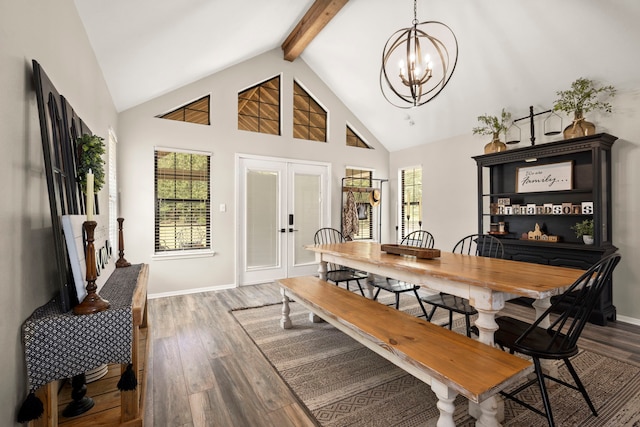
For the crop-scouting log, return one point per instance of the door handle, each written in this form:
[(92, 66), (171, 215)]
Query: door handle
[(291, 230)]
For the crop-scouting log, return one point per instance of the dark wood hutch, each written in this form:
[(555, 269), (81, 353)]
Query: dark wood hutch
[(590, 160)]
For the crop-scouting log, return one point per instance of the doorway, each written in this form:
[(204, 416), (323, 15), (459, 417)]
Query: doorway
[(281, 204)]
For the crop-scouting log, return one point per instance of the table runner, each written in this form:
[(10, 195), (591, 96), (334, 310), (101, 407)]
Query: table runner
[(61, 345)]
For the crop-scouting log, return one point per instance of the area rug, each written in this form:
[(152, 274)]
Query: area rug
[(342, 383)]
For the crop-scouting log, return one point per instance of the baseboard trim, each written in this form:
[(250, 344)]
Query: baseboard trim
[(627, 319), (190, 291)]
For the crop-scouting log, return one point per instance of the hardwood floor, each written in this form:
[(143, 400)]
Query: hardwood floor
[(204, 370)]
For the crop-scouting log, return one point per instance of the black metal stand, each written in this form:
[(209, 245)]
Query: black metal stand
[(80, 403)]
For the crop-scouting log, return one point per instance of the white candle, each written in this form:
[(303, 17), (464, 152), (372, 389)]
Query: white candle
[(89, 192)]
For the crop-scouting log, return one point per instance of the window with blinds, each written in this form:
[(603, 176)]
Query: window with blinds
[(182, 198), (309, 118), (259, 108), (361, 179), (411, 200)]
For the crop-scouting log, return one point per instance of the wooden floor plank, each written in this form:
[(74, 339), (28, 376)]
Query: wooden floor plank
[(246, 390)]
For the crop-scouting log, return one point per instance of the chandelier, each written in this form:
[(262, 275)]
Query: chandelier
[(417, 62)]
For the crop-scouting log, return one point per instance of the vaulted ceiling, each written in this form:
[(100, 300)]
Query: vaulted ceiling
[(513, 53)]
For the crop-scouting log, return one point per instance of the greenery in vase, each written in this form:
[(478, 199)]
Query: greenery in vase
[(583, 97), (492, 125), (584, 228), (90, 150)]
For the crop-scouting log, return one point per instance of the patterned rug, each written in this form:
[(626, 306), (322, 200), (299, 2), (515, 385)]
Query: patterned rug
[(342, 383)]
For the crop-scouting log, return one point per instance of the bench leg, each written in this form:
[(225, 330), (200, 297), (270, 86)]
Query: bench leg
[(489, 412), (445, 405), (285, 320)]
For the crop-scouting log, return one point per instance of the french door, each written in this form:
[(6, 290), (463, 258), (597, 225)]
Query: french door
[(281, 205)]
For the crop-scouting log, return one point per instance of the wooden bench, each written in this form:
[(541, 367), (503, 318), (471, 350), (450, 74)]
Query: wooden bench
[(449, 362)]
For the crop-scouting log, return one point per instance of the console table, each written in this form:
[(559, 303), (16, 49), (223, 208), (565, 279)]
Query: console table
[(126, 290)]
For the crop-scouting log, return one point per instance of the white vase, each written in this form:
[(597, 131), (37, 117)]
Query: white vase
[(588, 240)]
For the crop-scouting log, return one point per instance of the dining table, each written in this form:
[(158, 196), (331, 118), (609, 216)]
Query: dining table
[(486, 282)]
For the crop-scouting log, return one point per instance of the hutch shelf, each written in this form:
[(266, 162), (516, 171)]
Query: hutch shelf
[(510, 208)]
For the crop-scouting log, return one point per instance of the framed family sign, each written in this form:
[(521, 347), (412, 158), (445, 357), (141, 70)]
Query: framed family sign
[(549, 177)]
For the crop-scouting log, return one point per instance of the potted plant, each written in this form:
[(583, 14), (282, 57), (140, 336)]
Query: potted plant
[(90, 149), (493, 125), (584, 229), (584, 96)]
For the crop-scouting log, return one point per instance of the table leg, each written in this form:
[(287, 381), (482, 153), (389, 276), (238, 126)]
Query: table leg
[(368, 285), (445, 405), (322, 270), (487, 326), (541, 305), (285, 321), (491, 411)]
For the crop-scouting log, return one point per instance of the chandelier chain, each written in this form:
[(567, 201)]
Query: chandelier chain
[(415, 12)]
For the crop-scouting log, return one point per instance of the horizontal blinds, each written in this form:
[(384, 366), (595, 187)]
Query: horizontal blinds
[(362, 178), (182, 201)]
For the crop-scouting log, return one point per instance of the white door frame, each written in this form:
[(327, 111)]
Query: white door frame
[(326, 216)]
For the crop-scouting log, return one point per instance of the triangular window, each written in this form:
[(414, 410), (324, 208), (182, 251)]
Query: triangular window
[(309, 118), (194, 112), (259, 108), (353, 140)]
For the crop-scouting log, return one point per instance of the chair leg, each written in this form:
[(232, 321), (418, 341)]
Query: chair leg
[(375, 297), (431, 313), (360, 287), (397, 300), (421, 305), (467, 321), (450, 319), (543, 391), (574, 374)]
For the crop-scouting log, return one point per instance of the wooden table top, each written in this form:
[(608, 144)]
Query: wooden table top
[(513, 277)]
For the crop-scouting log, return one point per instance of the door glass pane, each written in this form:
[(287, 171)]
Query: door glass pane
[(262, 198), (307, 211)]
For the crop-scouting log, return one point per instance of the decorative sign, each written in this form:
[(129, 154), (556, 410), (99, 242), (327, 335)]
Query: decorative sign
[(551, 177), (76, 244)]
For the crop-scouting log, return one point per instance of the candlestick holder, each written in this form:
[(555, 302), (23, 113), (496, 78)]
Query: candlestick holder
[(92, 303), (122, 262)]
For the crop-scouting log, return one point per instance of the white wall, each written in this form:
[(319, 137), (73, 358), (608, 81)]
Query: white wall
[(51, 33), (140, 131), (450, 193)]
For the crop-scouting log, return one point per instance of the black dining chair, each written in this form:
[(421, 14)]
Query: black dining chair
[(474, 244), (418, 238), (559, 340), (338, 273)]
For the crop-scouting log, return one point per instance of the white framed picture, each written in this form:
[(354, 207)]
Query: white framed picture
[(550, 177)]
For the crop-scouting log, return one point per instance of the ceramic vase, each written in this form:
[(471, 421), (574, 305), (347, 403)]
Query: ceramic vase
[(588, 240)]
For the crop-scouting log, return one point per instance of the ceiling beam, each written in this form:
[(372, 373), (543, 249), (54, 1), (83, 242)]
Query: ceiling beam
[(316, 18)]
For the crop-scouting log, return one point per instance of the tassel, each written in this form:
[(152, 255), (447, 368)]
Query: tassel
[(128, 379), (31, 409)]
